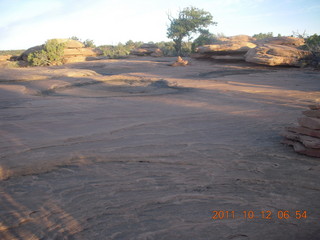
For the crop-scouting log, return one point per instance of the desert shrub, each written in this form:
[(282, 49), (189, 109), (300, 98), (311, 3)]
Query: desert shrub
[(89, 43), (51, 54), (75, 38), (167, 48), (313, 44), (263, 35), (117, 51)]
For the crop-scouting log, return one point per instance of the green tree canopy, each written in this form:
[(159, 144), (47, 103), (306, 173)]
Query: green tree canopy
[(190, 20)]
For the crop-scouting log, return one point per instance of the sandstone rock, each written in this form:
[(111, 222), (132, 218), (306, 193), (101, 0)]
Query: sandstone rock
[(69, 43), (74, 51), (312, 113), (314, 107), (300, 148), (147, 49), (305, 131), (180, 62), (85, 52), (286, 41), (25, 54), (274, 55), (5, 57), (227, 47), (307, 141), (231, 48), (242, 38), (308, 122)]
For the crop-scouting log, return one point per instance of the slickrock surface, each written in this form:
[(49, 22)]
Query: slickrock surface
[(136, 149)]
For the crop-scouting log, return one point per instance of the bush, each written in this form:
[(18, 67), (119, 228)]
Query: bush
[(313, 44), (51, 54), (260, 36), (89, 43)]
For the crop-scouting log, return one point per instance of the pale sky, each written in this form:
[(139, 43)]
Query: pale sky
[(26, 23)]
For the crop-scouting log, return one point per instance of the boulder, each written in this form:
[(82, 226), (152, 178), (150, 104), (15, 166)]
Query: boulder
[(277, 55), (179, 63), (147, 49)]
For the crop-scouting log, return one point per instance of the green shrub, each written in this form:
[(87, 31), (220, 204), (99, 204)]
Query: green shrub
[(89, 43), (51, 54), (263, 35), (313, 44)]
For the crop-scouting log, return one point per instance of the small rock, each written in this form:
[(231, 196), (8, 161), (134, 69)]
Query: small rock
[(180, 62)]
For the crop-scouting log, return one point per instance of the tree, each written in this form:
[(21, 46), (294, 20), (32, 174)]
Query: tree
[(190, 21)]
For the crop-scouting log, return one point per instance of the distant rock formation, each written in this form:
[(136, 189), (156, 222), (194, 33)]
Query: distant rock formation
[(275, 51), (147, 49), (278, 51), (74, 51), (305, 138), (231, 48), (179, 63)]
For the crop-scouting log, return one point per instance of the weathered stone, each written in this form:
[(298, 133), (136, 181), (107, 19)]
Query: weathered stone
[(304, 131), (85, 52), (314, 107), (307, 141), (312, 113), (25, 54), (300, 148), (308, 122), (286, 41), (226, 47), (180, 62), (274, 55)]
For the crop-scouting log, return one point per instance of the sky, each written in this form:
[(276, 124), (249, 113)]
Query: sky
[(27, 23)]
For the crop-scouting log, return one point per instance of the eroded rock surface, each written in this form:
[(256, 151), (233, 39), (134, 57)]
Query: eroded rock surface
[(136, 149)]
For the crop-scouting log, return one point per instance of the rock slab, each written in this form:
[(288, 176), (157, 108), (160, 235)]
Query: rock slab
[(305, 139)]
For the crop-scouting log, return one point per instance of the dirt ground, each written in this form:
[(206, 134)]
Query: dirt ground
[(136, 149)]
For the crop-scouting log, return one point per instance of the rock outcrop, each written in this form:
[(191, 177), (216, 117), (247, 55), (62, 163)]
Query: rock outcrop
[(179, 63), (286, 41), (231, 48), (74, 51), (277, 55), (274, 51), (147, 50), (305, 138)]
